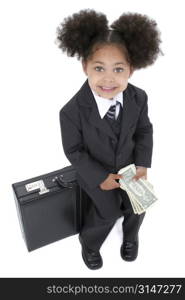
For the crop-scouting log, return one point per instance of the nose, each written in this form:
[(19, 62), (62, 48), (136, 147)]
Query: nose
[(108, 77)]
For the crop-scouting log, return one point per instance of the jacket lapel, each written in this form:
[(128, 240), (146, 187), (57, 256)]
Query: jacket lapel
[(102, 124), (87, 99), (129, 115)]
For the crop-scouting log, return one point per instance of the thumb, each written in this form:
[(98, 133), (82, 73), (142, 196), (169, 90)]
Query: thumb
[(135, 177), (117, 184)]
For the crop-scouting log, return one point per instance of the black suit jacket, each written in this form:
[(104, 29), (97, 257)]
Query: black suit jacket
[(89, 142)]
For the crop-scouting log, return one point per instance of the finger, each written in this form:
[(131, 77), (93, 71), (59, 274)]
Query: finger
[(118, 176)]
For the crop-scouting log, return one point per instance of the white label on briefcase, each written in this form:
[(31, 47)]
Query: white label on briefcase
[(37, 185)]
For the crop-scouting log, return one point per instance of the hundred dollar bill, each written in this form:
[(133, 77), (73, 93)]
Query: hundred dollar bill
[(140, 192)]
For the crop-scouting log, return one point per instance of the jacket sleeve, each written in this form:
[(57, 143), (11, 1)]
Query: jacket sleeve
[(143, 138), (91, 171)]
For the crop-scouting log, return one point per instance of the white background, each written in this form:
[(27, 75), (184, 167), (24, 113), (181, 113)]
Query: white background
[(36, 81)]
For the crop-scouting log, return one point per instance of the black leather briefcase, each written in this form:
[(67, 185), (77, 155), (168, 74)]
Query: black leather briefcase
[(49, 207)]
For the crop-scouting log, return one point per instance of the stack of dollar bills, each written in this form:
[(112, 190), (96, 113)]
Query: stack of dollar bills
[(140, 192)]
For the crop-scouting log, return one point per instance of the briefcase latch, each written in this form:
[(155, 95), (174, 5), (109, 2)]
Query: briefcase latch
[(37, 185)]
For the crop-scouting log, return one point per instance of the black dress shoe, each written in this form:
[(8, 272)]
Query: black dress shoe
[(92, 259), (129, 250)]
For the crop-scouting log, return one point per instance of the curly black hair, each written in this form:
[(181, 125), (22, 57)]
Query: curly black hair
[(137, 34)]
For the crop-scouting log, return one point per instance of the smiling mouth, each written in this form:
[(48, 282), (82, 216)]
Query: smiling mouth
[(107, 89)]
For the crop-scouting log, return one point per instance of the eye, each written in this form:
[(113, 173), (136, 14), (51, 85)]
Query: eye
[(119, 70), (99, 69)]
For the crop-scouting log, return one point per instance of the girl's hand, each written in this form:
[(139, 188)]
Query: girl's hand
[(110, 182), (141, 172)]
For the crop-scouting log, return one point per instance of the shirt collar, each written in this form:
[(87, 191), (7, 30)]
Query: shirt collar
[(104, 104)]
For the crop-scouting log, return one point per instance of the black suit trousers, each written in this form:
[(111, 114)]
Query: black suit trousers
[(96, 226)]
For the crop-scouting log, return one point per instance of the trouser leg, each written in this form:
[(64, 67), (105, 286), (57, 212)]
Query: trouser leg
[(131, 222), (95, 229), (131, 225), (100, 215)]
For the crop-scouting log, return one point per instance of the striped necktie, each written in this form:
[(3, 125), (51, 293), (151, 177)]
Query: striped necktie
[(112, 111)]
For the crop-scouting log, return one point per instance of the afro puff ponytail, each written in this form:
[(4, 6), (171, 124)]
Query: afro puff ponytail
[(141, 38), (77, 33), (138, 34)]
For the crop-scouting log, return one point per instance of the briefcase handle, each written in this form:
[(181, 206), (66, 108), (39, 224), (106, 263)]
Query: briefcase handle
[(63, 183)]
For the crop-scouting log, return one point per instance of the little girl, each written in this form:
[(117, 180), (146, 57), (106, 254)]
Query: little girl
[(105, 126)]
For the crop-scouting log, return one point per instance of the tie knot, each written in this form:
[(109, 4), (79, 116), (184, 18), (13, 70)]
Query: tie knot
[(112, 110), (113, 106)]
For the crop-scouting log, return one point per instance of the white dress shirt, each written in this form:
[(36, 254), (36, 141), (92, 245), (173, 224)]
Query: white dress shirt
[(104, 104)]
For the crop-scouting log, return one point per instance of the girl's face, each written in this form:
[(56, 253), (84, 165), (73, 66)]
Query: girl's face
[(108, 71)]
